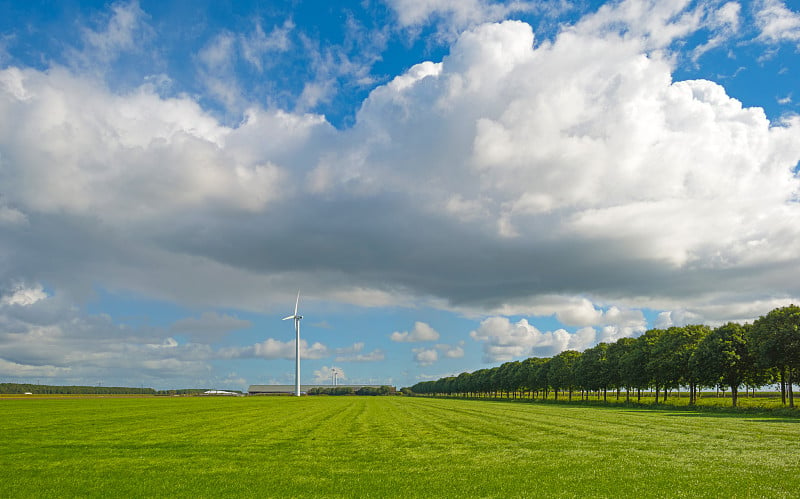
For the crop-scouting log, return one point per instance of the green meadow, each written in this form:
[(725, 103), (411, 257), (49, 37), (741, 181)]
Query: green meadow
[(387, 447)]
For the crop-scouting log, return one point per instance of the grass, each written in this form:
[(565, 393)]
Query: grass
[(386, 447), (768, 403)]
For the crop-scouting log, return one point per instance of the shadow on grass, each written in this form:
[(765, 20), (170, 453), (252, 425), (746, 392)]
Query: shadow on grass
[(746, 417), (775, 420)]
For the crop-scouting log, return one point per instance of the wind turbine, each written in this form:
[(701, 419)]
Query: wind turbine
[(296, 345)]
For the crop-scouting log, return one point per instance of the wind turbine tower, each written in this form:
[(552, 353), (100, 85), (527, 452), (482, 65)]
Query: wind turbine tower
[(296, 318)]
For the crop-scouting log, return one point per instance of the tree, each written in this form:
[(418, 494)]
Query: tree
[(683, 344), (776, 338), (448, 385), (656, 351), (633, 372), (561, 374), (530, 372), (464, 383), (542, 379), (616, 352), (493, 380), (723, 356), (670, 353), (481, 380), (591, 369), (508, 379), (367, 390)]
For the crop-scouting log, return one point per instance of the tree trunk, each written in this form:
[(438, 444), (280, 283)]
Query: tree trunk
[(789, 386), (570, 394), (734, 394), (605, 395), (555, 392), (666, 392), (658, 394), (783, 387), (638, 395)]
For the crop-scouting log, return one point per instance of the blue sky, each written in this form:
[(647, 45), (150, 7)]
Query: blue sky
[(450, 183)]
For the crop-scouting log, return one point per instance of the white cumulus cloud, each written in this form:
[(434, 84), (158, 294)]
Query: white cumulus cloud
[(504, 341), (425, 356), (451, 351), (421, 332), (276, 349)]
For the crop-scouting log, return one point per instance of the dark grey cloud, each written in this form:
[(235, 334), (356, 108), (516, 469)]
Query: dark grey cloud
[(209, 327)]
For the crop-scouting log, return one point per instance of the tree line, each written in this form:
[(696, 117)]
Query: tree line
[(21, 388), (766, 352), (348, 390)]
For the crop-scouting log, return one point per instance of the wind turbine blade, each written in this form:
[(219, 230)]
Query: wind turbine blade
[(296, 303), (287, 318)]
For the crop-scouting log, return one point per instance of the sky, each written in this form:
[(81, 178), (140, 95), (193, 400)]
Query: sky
[(451, 184)]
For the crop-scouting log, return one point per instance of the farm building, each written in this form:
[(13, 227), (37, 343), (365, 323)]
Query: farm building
[(304, 389), (223, 393)]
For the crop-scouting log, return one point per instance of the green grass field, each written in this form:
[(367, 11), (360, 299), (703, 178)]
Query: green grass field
[(386, 447)]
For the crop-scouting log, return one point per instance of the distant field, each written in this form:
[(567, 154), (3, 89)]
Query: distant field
[(386, 447)]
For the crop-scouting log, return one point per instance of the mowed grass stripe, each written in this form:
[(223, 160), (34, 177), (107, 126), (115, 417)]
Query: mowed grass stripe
[(674, 431), (704, 454), (385, 447)]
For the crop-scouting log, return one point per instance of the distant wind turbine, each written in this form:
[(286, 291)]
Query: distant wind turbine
[(296, 345)]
